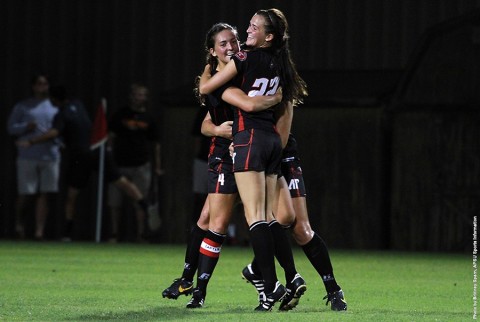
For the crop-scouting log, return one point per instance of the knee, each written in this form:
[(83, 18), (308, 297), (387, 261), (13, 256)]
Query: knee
[(219, 225), (302, 233), (285, 218)]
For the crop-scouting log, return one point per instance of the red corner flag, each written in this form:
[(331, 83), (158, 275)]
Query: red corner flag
[(99, 131)]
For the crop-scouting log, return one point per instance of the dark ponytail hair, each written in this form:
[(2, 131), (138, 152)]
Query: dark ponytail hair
[(294, 87)]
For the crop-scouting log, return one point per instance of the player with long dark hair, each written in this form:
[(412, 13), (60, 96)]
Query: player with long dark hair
[(291, 211), (208, 236), (260, 71)]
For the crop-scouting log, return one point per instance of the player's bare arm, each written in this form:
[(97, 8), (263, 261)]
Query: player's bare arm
[(210, 129), (238, 98), (209, 84), (284, 117)]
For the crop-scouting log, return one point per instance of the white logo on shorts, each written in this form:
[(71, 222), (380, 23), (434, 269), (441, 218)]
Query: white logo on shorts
[(293, 185)]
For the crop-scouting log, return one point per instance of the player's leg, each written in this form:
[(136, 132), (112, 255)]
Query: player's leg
[(285, 214), (251, 186), (256, 159), (283, 218), (184, 284), (221, 206), (317, 253), (254, 187)]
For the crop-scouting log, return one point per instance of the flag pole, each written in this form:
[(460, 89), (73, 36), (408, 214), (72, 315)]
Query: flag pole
[(101, 167)]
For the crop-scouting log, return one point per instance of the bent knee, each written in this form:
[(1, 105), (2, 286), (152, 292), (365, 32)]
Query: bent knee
[(302, 233)]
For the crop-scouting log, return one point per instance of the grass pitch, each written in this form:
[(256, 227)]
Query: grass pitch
[(124, 282)]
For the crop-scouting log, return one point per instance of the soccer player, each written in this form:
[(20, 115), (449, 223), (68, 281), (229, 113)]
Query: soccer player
[(208, 236), (291, 211), (260, 71)]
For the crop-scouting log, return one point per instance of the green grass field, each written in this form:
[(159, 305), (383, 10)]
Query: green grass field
[(124, 282)]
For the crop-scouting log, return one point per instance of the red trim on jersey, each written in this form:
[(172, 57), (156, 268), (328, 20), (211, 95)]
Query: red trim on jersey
[(241, 121), (212, 146), (210, 248), (241, 55), (249, 149)]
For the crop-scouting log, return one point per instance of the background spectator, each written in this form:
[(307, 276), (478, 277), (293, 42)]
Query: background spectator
[(38, 166)]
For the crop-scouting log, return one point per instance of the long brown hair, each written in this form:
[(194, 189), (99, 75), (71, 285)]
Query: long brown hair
[(293, 86)]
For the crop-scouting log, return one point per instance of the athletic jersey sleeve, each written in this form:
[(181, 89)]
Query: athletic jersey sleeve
[(240, 60)]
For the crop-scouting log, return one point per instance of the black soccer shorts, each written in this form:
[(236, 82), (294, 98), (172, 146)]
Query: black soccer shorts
[(292, 172), (257, 150), (220, 176)]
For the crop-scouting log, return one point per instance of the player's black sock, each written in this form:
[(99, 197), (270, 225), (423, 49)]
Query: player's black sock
[(191, 255), (209, 254), (283, 250), (317, 253), (263, 249), (255, 268)]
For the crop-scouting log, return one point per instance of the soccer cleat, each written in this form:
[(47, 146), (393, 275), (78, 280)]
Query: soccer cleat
[(337, 300), (252, 278), (267, 301), (197, 299), (180, 286), (295, 290)]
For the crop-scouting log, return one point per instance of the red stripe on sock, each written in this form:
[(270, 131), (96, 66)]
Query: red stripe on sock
[(210, 248)]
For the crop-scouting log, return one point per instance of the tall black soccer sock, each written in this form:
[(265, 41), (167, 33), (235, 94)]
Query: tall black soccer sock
[(283, 250), (209, 254), (255, 268), (264, 249), (192, 253), (317, 252)]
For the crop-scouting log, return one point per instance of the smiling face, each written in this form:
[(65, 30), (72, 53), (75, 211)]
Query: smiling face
[(256, 34), (226, 45)]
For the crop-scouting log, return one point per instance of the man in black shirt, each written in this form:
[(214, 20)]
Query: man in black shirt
[(135, 138)]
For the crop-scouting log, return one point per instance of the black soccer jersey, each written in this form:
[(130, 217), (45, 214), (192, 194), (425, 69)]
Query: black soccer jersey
[(257, 75), (220, 172), (220, 112)]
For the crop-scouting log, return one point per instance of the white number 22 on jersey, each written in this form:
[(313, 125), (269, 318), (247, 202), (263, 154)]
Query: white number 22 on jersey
[(264, 86)]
